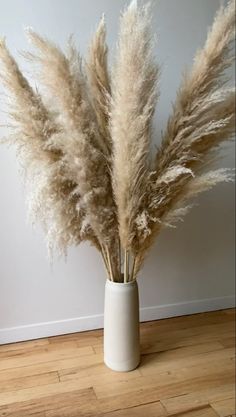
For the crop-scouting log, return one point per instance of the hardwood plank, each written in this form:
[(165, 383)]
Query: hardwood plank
[(168, 361), (168, 378), (194, 323), (190, 336), (83, 402), (36, 393), (187, 351), (22, 414), (171, 343), (24, 345), (44, 355), (149, 410), (224, 408), (189, 328), (80, 382), (143, 394), (229, 311), (228, 342), (56, 348), (57, 365), (74, 411), (78, 335), (97, 373), (189, 321), (201, 412), (29, 381), (198, 398), (131, 399), (80, 339)]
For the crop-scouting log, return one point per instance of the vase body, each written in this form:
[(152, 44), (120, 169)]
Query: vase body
[(121, 326)]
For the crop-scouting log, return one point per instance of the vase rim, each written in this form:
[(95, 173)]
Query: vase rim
[(121, 284)]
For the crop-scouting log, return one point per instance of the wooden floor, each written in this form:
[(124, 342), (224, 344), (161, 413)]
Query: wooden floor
[(187, 369)]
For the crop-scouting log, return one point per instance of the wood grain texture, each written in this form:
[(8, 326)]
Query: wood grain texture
[(198, 398), (224, 408), (201, 412), (187, 369), (149, 410)]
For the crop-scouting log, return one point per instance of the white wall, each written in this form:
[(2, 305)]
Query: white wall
[(190, 269)]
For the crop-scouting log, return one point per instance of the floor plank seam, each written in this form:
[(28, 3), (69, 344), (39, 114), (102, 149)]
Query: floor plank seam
[(132, 406), (189, 410), (164, 407)]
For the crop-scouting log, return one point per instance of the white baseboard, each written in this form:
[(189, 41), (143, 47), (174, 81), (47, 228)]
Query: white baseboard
[(79, 324)]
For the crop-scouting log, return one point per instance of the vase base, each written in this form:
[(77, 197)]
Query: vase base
[(123, 366)]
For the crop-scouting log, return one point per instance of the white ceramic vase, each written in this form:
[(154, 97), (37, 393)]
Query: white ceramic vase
[(121, 326)]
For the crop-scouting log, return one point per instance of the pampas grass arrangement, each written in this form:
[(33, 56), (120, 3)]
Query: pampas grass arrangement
[(84, 140)]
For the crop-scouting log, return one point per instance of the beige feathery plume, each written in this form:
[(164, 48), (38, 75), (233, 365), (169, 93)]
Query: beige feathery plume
[(63, 78), (203, 117), (51, 197), (84, 151), (134, 93), (194, 187), (202, 102), (99, 81), (35, 122), (173, 206)]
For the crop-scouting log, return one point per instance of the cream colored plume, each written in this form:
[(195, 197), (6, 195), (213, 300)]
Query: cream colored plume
[(134, 94), (203, 117), (194, 187), (51, 197), (99, 82), (84, 149)]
